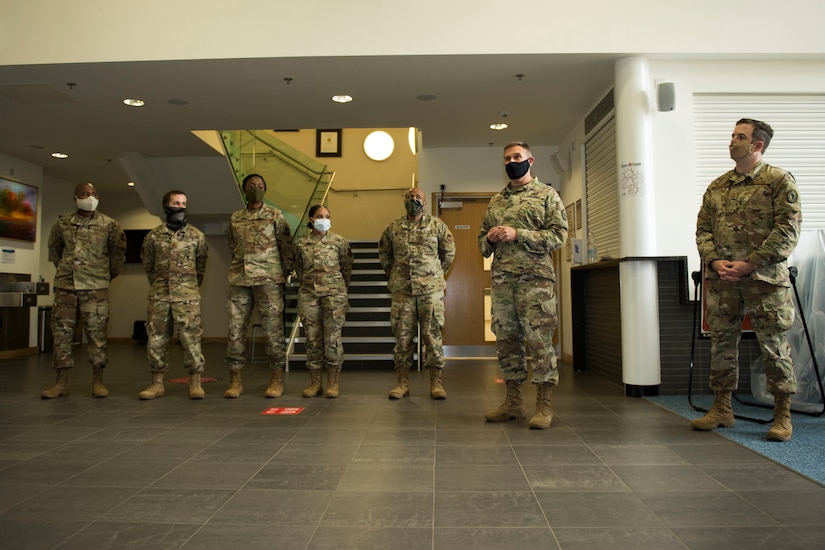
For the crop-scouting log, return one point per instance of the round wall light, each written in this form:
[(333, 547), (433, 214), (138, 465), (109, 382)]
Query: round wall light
[(412, 139), (379, 145)]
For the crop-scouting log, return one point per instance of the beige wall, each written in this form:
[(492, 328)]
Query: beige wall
[(366, 194)]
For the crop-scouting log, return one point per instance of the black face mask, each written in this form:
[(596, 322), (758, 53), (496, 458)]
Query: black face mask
[(516, 170), (175, 217)]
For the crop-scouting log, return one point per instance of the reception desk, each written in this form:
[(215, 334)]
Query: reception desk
[(597, 316), (597, 328)]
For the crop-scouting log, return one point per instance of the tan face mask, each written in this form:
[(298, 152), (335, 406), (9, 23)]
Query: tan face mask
[(740, 150)]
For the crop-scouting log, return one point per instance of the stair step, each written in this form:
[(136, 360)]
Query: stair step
[(378, 283)]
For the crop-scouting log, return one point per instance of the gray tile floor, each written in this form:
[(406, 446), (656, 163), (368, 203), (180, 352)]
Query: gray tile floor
[(365, 472)]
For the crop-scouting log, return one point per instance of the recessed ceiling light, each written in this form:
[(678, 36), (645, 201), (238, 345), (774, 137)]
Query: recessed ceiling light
[(341, 98), (498, 126), (130, 183), (425, 97), (59, 155), (178, 101), (134, 102)]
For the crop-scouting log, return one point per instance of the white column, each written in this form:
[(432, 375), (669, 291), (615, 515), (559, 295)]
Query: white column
[(637, 228)]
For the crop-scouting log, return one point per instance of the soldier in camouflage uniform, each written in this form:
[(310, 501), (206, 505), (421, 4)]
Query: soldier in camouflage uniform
[(523, 225), (416, 251), (262, 256), (747, 227), (323, 266), (174, 257), (88, 249)]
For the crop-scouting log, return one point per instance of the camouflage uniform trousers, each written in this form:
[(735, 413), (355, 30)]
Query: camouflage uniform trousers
[(163, 318), (269, 301), (406, 313), (524, 319), (771, 311), (323, 318), (94, 312)]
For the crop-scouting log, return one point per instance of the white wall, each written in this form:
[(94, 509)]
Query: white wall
[(91, 30), (475, 169), (674, 170)]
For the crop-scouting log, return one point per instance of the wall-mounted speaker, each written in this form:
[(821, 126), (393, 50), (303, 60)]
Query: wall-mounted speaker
[(666, 96), (560, 162)]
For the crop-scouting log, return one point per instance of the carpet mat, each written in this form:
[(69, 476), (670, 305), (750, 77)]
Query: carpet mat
[(804, 453)]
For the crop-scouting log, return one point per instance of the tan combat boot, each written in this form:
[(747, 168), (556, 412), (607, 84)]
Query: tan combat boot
[(235, 388), (155, 389), (276, 384), (720, 414), (195, 389), (333, 377), (437, 390), (61, 386), (544, 414), (781, 430), (98, 389), (512, 406), (402, 384), (314, 388)]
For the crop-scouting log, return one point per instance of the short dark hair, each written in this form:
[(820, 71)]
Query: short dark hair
[(249, 177), (168, 195), (762, 131), (522, 144), (314, 208)]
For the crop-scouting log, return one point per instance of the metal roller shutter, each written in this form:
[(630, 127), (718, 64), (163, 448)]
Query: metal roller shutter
[(602, 189), (798, 144)]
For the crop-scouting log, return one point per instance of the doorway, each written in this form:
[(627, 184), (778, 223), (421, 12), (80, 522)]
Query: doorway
[(464, 331)]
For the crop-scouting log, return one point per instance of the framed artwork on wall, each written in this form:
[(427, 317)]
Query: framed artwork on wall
[(570, 210), (579, 214), (328, 143), (18, 211)]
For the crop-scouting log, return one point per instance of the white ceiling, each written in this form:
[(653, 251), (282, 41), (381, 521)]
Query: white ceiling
[(40, 112)]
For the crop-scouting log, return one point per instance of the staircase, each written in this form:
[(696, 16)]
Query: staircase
[(367, 336)]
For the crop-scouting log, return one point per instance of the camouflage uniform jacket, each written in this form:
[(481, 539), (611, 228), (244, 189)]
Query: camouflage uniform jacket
[(324, 264), (754, 217), (87, 252), (175, 262), (415, 255), (537, 213), (261, 246)]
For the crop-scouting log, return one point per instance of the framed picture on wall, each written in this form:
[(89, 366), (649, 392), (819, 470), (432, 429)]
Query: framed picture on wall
[(18, 211), (579, 214), (328, 143), (570, 209)]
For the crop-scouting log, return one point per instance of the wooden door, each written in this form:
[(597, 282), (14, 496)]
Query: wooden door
[(466, 280)]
